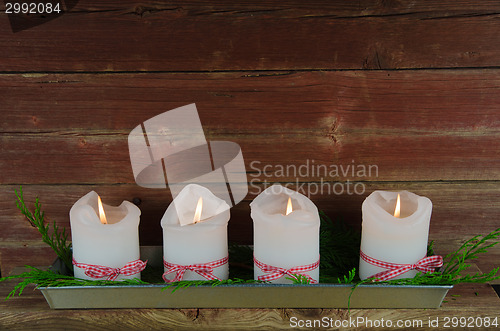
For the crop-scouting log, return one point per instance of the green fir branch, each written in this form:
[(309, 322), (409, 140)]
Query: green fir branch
[(349, 278), (339, 248), (190, 283), (430, 248), (49, 278), (240, 261), (299, 279), (469, 251), (455, 263), (57, 239)]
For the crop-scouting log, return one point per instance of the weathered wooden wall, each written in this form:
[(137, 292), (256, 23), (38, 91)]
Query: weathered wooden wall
[(410, 86)]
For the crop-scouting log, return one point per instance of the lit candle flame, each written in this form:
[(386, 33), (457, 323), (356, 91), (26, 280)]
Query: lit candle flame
[(289, 206), (102, 215), (398, 207), (197, 213)]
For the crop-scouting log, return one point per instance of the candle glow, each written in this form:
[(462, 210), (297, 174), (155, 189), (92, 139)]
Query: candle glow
[(102, 215), (397, 211), (289, 206), (197, 213)]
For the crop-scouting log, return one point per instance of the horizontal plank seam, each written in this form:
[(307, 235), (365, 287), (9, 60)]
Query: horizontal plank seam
[(23, 244), (312, 132), (462, 15), (151, 10), (425, 15), (271, 71), (454, 182)]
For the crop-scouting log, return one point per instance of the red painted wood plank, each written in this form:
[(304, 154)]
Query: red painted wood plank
[(413, 125), (90, 159), (459, 209), (151, 36), (400, 102)]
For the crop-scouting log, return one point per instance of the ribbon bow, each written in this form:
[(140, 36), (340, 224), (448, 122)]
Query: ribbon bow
[(99, 271), (277, 272), (426, 264), (203, 269)]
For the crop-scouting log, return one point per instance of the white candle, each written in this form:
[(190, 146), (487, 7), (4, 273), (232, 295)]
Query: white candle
[(391, 238), (112, 244), (282, 238), (190, 239)]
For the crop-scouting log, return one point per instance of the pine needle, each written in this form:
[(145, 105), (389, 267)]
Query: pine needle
[(49, 278), (455, 263), (190, 283), (339, 249), (55, 238)]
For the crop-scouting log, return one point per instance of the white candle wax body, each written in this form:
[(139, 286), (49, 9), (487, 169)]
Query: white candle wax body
[(203, 242), (281, 240), (111, 245), (401, 240)]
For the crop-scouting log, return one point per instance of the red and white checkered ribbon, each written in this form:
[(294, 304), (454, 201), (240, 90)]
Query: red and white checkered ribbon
[(426, 264), (99, 271), (203, 269), (277, 272)]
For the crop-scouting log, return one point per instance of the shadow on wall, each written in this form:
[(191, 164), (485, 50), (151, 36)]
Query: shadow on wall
[(497, 289)]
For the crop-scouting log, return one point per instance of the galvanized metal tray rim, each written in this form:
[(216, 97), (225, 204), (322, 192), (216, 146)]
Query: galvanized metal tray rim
[(329, 285)]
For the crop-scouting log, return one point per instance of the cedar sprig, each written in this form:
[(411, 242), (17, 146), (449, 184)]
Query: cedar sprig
[(349, 278), (299, 279), (46, 278), (174, 286), (469, 250), (240, 261), (339, 248), (455, 263), (57, 239)]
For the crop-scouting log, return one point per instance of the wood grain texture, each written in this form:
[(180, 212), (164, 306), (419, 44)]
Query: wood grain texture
[(31, 310), (289, 81), (201, 35), (425, 125)]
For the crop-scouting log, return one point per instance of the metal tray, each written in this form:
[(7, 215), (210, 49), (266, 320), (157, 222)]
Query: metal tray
[(243, 296)]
